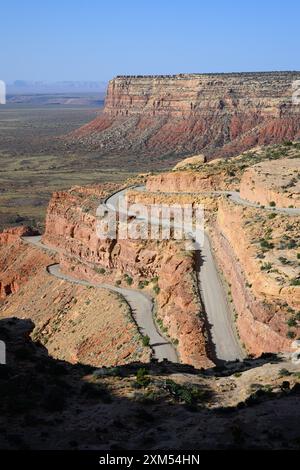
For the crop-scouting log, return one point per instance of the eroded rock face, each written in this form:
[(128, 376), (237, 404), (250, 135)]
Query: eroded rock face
[(75, 323), (180, 309), (220, 114), (261, 291), (18, 261), (259, 330), (186, 181), (256, 250), (209, 201), (13, 234), (78, 324), (84, 255), (273, 182), (190, 161)]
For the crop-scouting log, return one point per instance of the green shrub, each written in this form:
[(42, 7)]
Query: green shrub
[(237, 374), (272, 204), (295, 282), (142, 379), (266, 266), (156, 289), (190, 394), (108, 372), (143, 283), (284, 373), (129, 280), (265, 244), (291, 322), (272, 215), (99, 270), (291, 334), (146, 340), (292, 244)]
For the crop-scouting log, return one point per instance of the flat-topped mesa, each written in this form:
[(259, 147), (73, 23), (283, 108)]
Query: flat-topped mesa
[(183, 95), (192, 113)]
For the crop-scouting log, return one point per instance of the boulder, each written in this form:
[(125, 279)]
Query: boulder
[(194, 160)]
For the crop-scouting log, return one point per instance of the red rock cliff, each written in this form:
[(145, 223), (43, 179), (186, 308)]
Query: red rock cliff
[(70, 227), (221, 114)]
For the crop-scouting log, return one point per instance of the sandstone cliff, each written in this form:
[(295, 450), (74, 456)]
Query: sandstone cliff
[(276, 182), (219, 114), (259, 284), (18, 262), (75, 323), (162, 268), (256, 250)]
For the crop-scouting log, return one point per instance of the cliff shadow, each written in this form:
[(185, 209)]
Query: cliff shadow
[(48, 403), (210, 345)]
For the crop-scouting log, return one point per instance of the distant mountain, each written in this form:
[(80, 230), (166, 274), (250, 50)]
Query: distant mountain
[(55, 99), (24, 87)]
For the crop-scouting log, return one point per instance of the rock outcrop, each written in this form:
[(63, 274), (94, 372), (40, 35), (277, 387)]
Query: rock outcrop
[(261, 291), (256, 250), (75, 323), (13, 234), (78, 324), (218, 114), (163, 268), (276, 182), (190, 161), (186, 181), (18, 261)]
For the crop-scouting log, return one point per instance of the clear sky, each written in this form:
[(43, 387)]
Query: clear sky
[(95, 40)]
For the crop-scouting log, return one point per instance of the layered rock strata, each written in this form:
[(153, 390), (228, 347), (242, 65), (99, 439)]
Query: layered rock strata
[(218, 114), (163, 269)]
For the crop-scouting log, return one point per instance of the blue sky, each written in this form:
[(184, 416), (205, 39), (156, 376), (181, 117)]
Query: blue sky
[(95, 40)]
